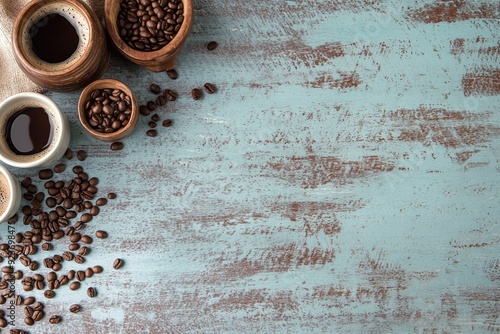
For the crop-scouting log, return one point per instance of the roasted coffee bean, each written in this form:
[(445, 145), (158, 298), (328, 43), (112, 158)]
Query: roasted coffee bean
[(86, 217), (212, 46), (94, 211), (75, 237), (4, 285), (108, 110), (167, 123), (151, 106), (97, 269), (45, 174), (155, 118), (26, 182), (68, 256), (29, 300), (29, 321), (74, 285), (155, 89), (38, 277), (118, 263), (59, 168), (33, 265), (51, 276), (77, 169), (55, 319), (50, 202), (39, 285), (18, 274), (111, 195), (196, 94), (38, 306), (79, 259), (101, 234), (170, 95), (86, 239), (48, 262), (49, 294), (28, 311), (68, 154), (73, 247), (19, 300), (209, 88), (151, 133), (152, 124), (81, 155), (57, 258), (70, 214), (38, 314), (161, 101), (2, 300), (32, 188), (75, 308), (172, 74), (63, 280), (116, 146), (89, 272), (91, 292), (57, 267), (94, 181), (143, 110)]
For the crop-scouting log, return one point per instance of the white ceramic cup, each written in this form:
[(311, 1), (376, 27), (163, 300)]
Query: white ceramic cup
[(10, 194), (60, 131)]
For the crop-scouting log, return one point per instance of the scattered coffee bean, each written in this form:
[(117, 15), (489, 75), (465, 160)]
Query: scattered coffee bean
[(49, 294), (74, 285), (97, 269), (79, 259), (86, 239), (116, 146), (196, 94), (152, 124), (68, 154), (212, 46), (172, 74), (29, 300), (111, 195), (167, 123), (84, 251), (55, 319), (51, 276), (118, 263), (80, 275), (29, 321), (75, 308), (26, 182), (108, 110), (71, 274), (151, 106), (19, 300), (73, 247), (143, 110), (155, 118), (209, 88), (81, 155), (63, 280), (89, 272), (155, 89), (94, 211), (38, 314), (161, 101), (101, 201), (101, 234), (151, 133), (59, 168), (45, 174), (170, 95), (91, 292)]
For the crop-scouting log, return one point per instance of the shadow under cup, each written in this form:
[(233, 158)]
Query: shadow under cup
[(59, 131)]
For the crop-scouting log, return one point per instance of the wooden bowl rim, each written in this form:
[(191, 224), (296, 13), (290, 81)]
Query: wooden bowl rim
[(170, 47), (112, 84)]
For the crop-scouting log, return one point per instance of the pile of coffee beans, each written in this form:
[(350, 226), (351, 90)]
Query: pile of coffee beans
[(62, 210), (108, 110), (149, 25)]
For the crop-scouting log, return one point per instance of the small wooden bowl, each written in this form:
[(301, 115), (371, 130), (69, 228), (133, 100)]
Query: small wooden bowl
[(87, 64), (155, 61), (122, 132)]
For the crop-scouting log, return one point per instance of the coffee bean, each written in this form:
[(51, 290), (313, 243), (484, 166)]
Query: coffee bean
[(55, 319), (38, 306), (68, 256), (45, 174), (48, 262), (19, 300), (84, 251), (68, 154), (49, 294), (94, 181), (73, 247), (26, 182), (51, 276), (91, 292), (74, 285), (97, 269), (81, 155), (89, 272), (196, 94), (86, 217), (167, 123), (63, 280), (18, 274), (212, 46), (80, 275), (116, 146), (152, 124), (151, 106), (94, 211), (71, 274), (75, 308), (118, 263), (161, 101), (111, 195), (172, 74), (39, 285), (59, 168), (151, 133), (101, 234), (29, 300), (29, 321), (33, 265), (143, 110), (57, 267), (38, 314), (86, 239), (79, 259), (209, 88), (155, 89)]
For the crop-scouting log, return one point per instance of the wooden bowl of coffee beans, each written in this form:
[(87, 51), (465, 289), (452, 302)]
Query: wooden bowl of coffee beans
[(108, 110), (149, 33)]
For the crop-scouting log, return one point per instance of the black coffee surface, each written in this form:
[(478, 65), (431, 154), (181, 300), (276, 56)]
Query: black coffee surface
[(29, 131), (54, 38)]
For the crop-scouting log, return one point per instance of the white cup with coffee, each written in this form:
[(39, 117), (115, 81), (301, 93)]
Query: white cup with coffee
[(33, 131), (10, 194)]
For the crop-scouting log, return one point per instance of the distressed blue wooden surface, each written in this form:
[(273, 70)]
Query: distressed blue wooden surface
[(343, 179)]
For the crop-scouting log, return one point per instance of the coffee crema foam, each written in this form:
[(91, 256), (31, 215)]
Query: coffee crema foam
[(74, 16), (56, 132), (4, 193)]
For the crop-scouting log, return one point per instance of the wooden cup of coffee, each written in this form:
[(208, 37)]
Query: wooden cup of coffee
[(60, 44), (33, 131)]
